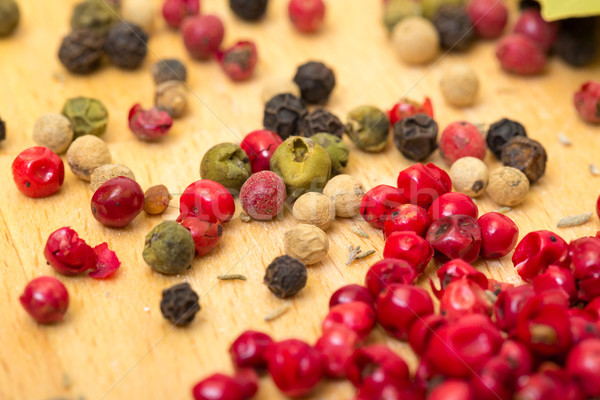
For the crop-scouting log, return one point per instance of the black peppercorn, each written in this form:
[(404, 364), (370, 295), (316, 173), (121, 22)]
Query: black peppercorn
[(501, 132), (179, 304), (81, 51), (527, 4), (416, 136), (576, 43), (2, 130), (526, 155), (454, 26), (169, 70), (9, 17), (249, 10), (284, 114), (316, 81), (322, 121), (125, 45), (285, 276)]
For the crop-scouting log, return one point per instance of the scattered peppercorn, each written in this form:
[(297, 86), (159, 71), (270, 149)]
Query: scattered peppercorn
[(416, 40), (576, 43), (587, 101), (461, 139), (202, 35), (87, 153), (416, 136), (179, 304), (316, 81), (320, 120), (126, 45), (526, 155), (249, 10), (285, 276), (307, 243), (108, 171), (175, 11), (346, 192), (2, 130), (368, 127), (279, 86), (227, 164), (81, 51), (284, 114), (315, 209), (156, 199), (151, 124), (454, 26), (507, 186), (338, 151), (53, 131), (501, 132), (170, 96), (307, 16), (239, 60), (518, 54), (430, 7), (88, 116), (170, 69), (469, 175), (96, 15), (169, 248), (460, 85), (396, 10), (9, 17)]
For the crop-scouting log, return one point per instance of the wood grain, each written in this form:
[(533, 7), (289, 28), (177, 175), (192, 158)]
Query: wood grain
[(114, 343)]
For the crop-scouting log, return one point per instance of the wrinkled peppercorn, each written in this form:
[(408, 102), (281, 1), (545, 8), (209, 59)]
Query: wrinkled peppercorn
[(526, 155), (249, 10), (368, 127), (501, 132), (416, 136), (81, 51), (169, 248), (576, 43), (96, 15), (169, 69), (179, 304), (125, 45), (2, 130), (285, 276), (322, 121), (454, 26), (284, 114), (316, 81), (227, 164), (338, 151)]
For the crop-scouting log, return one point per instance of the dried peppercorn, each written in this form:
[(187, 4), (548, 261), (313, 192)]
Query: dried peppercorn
[(338, 151), (316, 81), (96, 15), (284, 114), (169, 248), (249, 10), (156, 199), (416, 40), (179, 304), (170, 96), (9, 17), (576, 43), (151, 124), (526, 155), (507, 186), (501, 132), (285, 276), (454, 26), (88, 116), (81, 51), (202, 35), (227, 164), (416, 136), (460, 84), (170, 69), (368, 127), (107, 172), (87, 153), (126, 45), (322, 121), (239, 60), (396, 10), (53, 131), (175, 11), (140, 12)]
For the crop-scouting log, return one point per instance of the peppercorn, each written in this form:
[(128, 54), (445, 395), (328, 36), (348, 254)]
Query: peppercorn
[(338, 151), (416, 40), (529, 4), (9, 16), (169, 248), (170, 96), (459, 85), (307, 243), (396, 10), (454, 26), (249, 10), (81, 51), (87, 153), (469, 175), (526, 155), (179, 304), (2, 130), (239, 60), (170, 69), (227, 164), (53, 131), (88, 116), (156, 199), (430, 7), (95, 15), (108, 171), (576, 43), (285, 276), (316, 81), (279, 86), (416, 136), (368, 127), (284, 114), (126, 45), (501, 132), (140, 12), (315, 209), (320, 120), (507, 186), (346, 192)]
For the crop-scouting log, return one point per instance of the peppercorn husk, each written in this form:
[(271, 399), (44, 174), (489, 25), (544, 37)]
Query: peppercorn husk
[(169, 69), (96, 15), (53, 131), (9, 17), (81, 51), (346, 192), (507, 186), (416, 136), (169, 248), (179, 304), (338, 151), (88, 116), (469, 175), (306, 243), (108, 171), (460, 85), (526, 155), (315, 209), (368, 127), (227, 164), (87, 153), (416, 40), (171, 97), (285, 276)]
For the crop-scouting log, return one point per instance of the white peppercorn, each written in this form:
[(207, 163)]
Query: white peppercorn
[(416, 40), (315, 209), (507, 186), (53, 131), (87, 153), (469, 175), (460, 85), (346, 192), (140, 12), (171, 97), (306, 243), (107, 172)]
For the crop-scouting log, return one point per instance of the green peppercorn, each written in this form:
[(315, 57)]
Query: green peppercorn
[(169, 248), (395, 10), (337, 149), (304, 165), (96, 15), (9, 17), (227, 164), (285, 276), (88, 116), (368, 127)]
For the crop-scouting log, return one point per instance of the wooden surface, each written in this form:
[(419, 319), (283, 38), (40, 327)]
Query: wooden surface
[(114, 343)]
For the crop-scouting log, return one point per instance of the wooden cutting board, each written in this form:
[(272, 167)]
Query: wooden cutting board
[(114, 343)]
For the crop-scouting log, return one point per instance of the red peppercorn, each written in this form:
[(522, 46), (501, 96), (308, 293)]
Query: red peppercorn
[(337, 345), (458, 269), (422, 184), (399, 305), (206, 235), (509, 304), (151, 124), (351, 293), (409, 108), (294, 366), (556, 277), (117, 202), (262, 195), (421, 331), (587, 104), (582, 328), (583, 363), (107, 262), (174, 11), (219, 387), (358, 316), (520, 55), (518, 357), (453, 203), (249, 350), (307, 15), (536, 251), (38, 172), (537, 387), (389, 389), (410, 247), (259, 146), (452, 389), (456, 236), (495, 380), (67, 253), (407, 217), (462, 139), (584, 257), (499, 235), (248, 380), (532, 25), (488, 17), (464, 297), (202, 35), (208, 201), (379, 202), (46, 299), (375, 363), (388, 271), (239, 60)]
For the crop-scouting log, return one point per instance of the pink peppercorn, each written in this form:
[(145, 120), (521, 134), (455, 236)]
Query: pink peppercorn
[(422, 184), (262, 195), (219, 387), (587, 104), (399, 305), (38, 172), (307, 15), (499, 235), (207, 200), (453, 203), (456, 236), (409, 108), (536, 251), (249, 350), (458, 269), (202, 35), (239, 60), (407, 217), (357, 316), (151, 124), (532, 25), (464, 297), (351, 293), (259, 146), (461, 139), (520, 55), (117, 202), (174, 11), (67, 253), (377, 364), (337, 345), (206, 235), (421, 331), (410, 247), (388, 271), (46, 299), (488, 17), (583, 363), (379, 202)]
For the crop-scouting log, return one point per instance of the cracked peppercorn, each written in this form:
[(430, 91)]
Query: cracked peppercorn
[(284, 114), (81, 51), (179, 304), (316, 81), (125, 45), (501, 132), (526, 155), (416, 136), (285, 276), (322, 121), (454, 26), (249, 10)]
